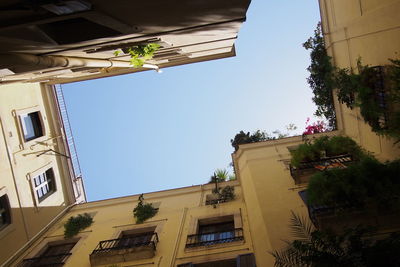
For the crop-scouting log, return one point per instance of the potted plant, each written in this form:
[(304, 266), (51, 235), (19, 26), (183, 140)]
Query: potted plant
[(77, 223), (143, 211)]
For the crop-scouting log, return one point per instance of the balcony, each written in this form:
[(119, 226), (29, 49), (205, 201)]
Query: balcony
[(52, 260), (214, 238), (339, 218), (124, 249), (305, 170)]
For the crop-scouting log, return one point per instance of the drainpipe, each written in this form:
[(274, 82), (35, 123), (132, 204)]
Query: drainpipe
[(64, 62), (14, 180)]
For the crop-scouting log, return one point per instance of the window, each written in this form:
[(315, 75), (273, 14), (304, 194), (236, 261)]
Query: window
[(216, 232), (134, 244), (129, 240), (245, 260), (55, 254), (5, 212), (31, 125), (44, 184), (212, 231)]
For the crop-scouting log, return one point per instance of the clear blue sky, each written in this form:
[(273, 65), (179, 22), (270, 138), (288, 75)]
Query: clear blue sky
[(146, 132)]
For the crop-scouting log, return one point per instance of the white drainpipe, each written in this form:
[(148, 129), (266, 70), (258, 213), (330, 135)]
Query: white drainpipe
[(65, 62)]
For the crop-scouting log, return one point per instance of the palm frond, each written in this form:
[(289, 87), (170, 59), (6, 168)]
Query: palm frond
[(301, 228), (288, 257)]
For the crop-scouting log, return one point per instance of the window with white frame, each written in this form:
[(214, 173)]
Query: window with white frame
[(44, 184), (31, 124)]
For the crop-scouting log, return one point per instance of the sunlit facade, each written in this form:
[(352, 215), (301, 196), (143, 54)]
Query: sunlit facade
[(38, 181)]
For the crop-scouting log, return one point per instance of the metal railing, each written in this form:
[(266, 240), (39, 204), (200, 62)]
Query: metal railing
[(217, 201), (145, 240), (68, 131), (78, 185), (380, 95), (214, 238), (51, 260), (322, 164)]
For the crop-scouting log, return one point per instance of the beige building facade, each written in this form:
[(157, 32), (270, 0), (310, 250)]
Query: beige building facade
[(38, 181)]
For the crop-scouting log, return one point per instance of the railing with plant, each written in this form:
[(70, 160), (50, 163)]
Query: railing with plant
[(323, 153), (208, 239), (359, 185), (224, 194), (221, 194), (375, 90), (325, 147), (148, 240)]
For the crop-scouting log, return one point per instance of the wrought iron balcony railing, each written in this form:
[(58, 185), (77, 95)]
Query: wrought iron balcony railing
[(216, 201), (214, 238), (309, 167), (50, 260), (145, 240)]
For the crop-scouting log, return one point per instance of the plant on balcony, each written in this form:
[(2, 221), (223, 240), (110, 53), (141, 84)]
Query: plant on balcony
[(355, 247), (226, 193), (247, 138), (259, 136), (320, 79), (76, 224), (325, 146), (143, 211), (139, 54), (367, 183), (376, 91)]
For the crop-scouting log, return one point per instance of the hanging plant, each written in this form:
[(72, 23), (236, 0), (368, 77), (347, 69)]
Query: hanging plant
[(139, 54), (143, 211), (77, 223), (376, 91)]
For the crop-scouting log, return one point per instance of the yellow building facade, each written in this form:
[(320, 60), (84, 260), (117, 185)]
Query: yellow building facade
[(191, 228), (368, 30), (37, 178), (352, 29)]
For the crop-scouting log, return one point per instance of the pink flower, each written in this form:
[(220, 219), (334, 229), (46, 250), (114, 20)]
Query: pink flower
[(316, 127)]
